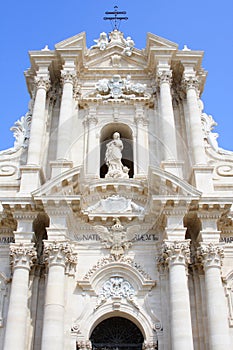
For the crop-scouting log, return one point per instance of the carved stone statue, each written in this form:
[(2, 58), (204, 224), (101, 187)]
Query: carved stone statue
[(117, 238), (129, 45), (102, 42), (113, 157)]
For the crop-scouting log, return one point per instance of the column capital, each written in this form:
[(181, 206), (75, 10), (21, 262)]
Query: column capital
[(22, 255), (190, 82), (91, 119), (164, 76), (60, 253), (176, 252), (42, 82), (68, 76), (210, 254)]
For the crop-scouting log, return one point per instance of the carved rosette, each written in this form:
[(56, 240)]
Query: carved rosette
[(42, 83), (60, 254), (210, 255), (22, 255), (175, 253), (164, 77), (190, 83), (68, 77)]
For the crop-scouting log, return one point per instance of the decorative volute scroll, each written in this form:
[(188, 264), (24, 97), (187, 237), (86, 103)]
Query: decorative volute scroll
[(175, 252), (211, 254)]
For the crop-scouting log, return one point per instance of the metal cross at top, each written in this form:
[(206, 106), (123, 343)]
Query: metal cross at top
[(116, 20)]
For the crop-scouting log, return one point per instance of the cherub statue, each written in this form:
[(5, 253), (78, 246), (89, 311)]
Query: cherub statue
[(102, 42), (129, 43), (117, 238)]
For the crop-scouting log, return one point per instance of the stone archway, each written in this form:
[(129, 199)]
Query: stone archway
[(116, 333)]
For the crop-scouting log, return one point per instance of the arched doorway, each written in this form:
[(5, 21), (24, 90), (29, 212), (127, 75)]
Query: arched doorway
[(116, 333)]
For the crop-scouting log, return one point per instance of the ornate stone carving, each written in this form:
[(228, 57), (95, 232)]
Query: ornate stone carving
[(68, 77), (190, 82), (149, 345), (42, 82), (22, 255), (210, 254), (7, 169), (208, 124), (102, 42), (3, 294), (225, 169), (114, 37), (117, 238), (164, 76), (176, 252), (21, 133), (110, 259), (115, 204), (113, 157), (61, 253), (116, 287), (117, 88)]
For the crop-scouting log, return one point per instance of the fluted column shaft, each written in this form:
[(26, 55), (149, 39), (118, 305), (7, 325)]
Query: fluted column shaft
[(142, 141), (197, 142), (211, 256), (38, 120), (65, 118), (57, 256), (176, 255), (169, 131), (22, 256), (93, 153)]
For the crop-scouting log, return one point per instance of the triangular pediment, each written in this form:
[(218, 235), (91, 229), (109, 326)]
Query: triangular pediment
[(75, 42), (113, 57), (154, 41)]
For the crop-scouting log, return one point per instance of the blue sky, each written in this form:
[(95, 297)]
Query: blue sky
[(201, 24)]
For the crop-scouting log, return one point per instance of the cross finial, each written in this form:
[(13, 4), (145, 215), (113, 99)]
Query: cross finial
[(116, 20)]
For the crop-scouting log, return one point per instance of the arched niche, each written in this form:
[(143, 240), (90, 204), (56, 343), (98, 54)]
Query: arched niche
[(127, 139)]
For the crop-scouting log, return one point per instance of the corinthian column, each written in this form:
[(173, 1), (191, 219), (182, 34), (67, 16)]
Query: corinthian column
[(142, 141), (22, 256), (164, 78), (176, 255), (58, 256), (93, 153), (191, 84), (65, 118), (30, 174), (38, 120), (211, 256)]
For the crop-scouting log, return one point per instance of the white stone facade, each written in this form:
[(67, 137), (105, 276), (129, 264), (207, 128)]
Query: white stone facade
[(140, 234)]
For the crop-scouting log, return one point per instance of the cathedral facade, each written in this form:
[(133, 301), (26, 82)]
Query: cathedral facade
[(116, 204)]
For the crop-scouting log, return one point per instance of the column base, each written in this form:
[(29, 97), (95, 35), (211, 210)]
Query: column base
[(174, 167), (202, 178), (60, 166), (32, 178)]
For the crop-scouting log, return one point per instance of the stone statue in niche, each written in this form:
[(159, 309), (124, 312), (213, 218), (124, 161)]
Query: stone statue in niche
[(113, 157)]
